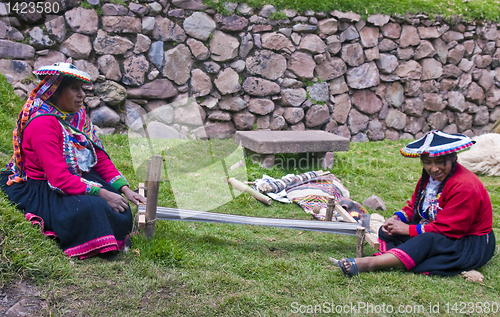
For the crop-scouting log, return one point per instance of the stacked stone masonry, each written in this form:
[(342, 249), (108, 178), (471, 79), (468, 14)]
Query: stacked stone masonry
[(380, 78)]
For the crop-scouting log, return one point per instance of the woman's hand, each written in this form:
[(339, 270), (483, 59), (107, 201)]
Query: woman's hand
[(394, 226), (133, 196), (117, 202)]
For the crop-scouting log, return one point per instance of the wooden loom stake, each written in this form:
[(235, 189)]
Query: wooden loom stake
[(153, 185), (360, 237), (141, 221), (329, 209)]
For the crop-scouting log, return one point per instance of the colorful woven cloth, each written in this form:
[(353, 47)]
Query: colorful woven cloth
[(316, 192)]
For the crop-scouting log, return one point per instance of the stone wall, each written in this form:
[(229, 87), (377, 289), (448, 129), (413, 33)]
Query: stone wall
[(380, 78)]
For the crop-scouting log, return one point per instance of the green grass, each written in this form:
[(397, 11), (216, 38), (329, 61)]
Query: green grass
[(472, 9), (203, 269)]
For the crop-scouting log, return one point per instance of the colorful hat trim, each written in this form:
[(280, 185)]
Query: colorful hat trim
[(437, 143), (66, 69)]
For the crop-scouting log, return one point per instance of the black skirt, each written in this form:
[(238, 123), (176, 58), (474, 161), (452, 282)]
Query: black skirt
[(84, 225), (435, 254)]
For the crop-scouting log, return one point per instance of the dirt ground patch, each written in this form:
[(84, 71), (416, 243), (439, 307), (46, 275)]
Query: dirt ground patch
[(21, 299)]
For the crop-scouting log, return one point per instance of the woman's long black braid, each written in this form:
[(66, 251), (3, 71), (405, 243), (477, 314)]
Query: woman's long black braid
[(447, 157)]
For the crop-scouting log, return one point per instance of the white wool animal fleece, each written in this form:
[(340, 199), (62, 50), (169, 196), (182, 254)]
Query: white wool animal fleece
[(484, 156)]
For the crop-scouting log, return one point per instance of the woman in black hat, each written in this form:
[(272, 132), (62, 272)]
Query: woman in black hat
[(446, 227)]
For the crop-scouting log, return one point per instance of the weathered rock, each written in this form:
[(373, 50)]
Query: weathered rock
[(293, 115), (352, 54), (218, 115), (158, 130), (77, 46), (156, 53), (232, 22), (341, 108), (409, 36), (433, 102), (166, 30), (212, 67), (260, 87), (244, 120), (379, 19), (219, 130), (121, 24), (424, 50), (366, 101), (431, 69), (346, 16), (375, 131), (428, 32), (15, 70), (391, 30), (277, 42), (267, 64), (104, 117), (328, 26), (178, 64), (198, 49), (482, 117), (84, 21), (330, 69), (304, 28), (199, 25), (135, 67), (387, 45), (414, 124), (57, 28), (482, 61), (92, 102), (109, 67), (148, 25), (456, 101), (302, 65), (369, 36), (349, 34), (293, 97), (260, 106), (456, 54), (372, 54), (317, 115), (450, 70), (223, 47), (333, 44), (188, 114), (364, 76), (493, 97), (452, 36), (405, 53), (338, 86), (87, 67), (142, 44), (228, 81), (409, 70), (357, 121), (313, 44), (437, 120), (190, 4), (238, 66), (134, 115), (395, 94), (15, 50), (413, 107), (375, 203), (113, 45), (113, 9), (412, 88), (395, 119), (277, 122), (139, 9), (39, 39), (234, 104), (49, 59), (475, 93), (200, 83), (157, 89), (319, 92), (487, 79), (387, 63)]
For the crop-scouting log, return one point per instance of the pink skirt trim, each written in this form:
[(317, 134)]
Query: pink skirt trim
[(35, 220), (95, 246), (403, 257)]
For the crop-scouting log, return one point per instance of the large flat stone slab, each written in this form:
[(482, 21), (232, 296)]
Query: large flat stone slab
[(272, 142)]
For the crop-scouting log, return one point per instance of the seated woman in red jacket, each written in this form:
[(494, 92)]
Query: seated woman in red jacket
[(60, 175), (446, 227)]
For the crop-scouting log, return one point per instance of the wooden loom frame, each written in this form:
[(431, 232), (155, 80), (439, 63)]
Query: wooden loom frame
[(147, 216)]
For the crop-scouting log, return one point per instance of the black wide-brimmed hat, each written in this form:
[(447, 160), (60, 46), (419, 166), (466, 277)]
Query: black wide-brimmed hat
[(436, 143)]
